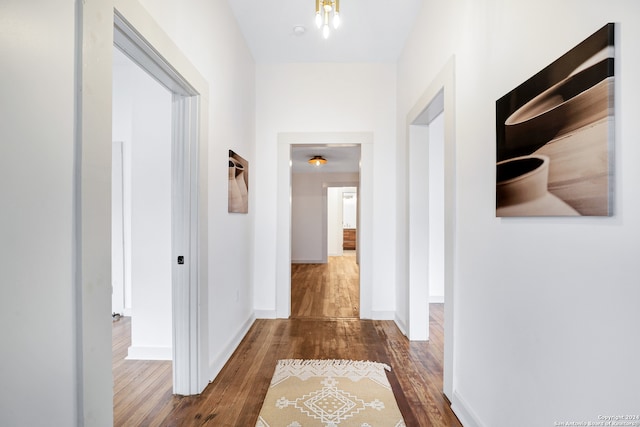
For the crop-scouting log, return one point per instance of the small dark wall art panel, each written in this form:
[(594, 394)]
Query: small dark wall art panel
[(238, 184), (554, 136)]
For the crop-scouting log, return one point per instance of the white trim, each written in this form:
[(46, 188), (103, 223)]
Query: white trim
[(92, 212), (308, 261), (383, 315), (418, 189), (119, 284), (325, 215), (138, 36), (265, 314), (436, 299), (444, 82), (185, 287), (466, 416), (283, 230), (149, 353)]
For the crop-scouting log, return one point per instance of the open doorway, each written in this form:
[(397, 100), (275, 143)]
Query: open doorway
[(325, 278), (342, 221), (284, 224), (131, 28), (141, 207), (163, 163), (431, 143)]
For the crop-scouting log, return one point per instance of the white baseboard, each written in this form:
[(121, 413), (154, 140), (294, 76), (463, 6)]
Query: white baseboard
[(149, 353), (265, 314), (465, 414), (218, 363), (383, 315), (308, 261), (401, 325), (437, 299)]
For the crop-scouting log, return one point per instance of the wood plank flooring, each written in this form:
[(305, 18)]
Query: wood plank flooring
[(142, 390), (329, 290)]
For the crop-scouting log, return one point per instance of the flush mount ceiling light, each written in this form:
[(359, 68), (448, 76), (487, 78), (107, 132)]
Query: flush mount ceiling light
[(317, 161), (324, 10)]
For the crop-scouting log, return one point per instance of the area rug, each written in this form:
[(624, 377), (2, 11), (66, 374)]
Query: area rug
[(329, 393)]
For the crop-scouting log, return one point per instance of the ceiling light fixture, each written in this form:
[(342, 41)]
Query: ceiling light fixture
[(317, 161), (325, 8)]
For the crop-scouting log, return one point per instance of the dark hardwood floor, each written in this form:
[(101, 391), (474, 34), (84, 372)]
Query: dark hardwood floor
[(142, 390)]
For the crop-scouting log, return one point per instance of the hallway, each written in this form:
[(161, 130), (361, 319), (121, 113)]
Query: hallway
[(324, 325), (326, 291), (143, 389)]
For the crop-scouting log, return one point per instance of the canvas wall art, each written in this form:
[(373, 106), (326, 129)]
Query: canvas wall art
[(554, 136), (238, 184)]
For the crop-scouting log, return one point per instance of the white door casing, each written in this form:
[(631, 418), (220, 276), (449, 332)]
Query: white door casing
[(186, 190), (283, 236), (439, 96)]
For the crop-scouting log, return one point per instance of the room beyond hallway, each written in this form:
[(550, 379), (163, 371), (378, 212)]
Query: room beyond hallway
[(326, 291), (142, 389)]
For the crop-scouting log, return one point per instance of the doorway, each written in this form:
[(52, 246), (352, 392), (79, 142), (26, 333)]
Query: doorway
[(432, 213), (285, 226), (342, 220), (183, 188), (141, 206), (328, 288), (342, 248), (324, 283)]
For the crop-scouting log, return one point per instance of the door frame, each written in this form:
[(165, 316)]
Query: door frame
[(185, 142), (325, 211), (92, 199), (439, 96), (283, 230)]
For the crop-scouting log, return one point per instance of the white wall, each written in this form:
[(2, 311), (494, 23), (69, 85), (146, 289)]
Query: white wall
[(208, 35), (307, 208), (119, 303), (558, 343), (148, 206), (37, 306), (334, 221), (436, 209), (309, 227), (122, 123), (349, 98), (546, 309), (151, 259), (350, 207)]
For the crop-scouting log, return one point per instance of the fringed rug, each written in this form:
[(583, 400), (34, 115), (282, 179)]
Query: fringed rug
[(329, 393)]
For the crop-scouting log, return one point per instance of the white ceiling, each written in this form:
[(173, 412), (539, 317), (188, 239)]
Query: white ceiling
[(370, 30), (340, 158)]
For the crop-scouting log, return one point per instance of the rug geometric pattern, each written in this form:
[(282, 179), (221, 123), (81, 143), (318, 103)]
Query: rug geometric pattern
[(329, 393)]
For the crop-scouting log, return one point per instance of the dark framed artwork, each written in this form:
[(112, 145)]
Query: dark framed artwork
[(554, 136), (238, 184)]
